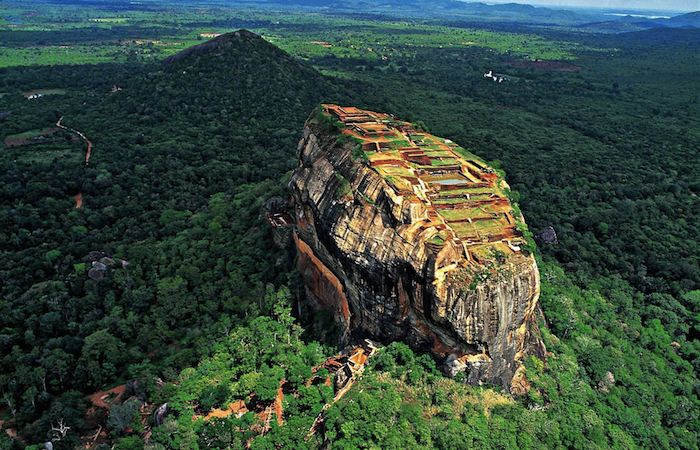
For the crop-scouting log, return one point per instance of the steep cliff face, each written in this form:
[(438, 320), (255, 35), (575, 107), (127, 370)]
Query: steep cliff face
[(406, 236)]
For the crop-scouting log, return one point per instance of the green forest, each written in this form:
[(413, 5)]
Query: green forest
[(168, 280)]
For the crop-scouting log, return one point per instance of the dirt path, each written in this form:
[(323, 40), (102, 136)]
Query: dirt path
[(88, 153)]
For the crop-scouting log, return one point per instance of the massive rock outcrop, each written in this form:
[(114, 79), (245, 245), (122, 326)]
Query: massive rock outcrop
[(407, 236)]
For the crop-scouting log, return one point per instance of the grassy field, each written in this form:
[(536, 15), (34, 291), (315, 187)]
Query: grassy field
[(65, 37), (23, 138), (357, 39), (91, 54), (50, 55)]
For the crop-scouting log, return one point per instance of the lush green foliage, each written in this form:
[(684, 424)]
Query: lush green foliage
[(570, 405), (186, 155), (248, 365), (161, 195)]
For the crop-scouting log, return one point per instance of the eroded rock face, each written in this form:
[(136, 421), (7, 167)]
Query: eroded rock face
[(405, 236)]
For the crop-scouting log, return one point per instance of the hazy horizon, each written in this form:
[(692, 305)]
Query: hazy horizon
[(651, 5)]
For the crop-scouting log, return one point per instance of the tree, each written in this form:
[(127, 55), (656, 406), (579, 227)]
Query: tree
[(124, 416), (100, 358)]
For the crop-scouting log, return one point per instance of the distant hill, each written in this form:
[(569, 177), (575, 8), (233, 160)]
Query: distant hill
[(691, 20), (260, 92), (661, 37), (632, 23), (220, 45)]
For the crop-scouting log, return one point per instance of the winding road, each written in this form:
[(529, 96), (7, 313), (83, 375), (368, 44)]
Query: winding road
[(88, 153)]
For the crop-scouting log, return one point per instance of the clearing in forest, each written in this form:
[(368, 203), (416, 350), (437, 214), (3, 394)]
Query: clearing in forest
[(36, 93), (31, 137)]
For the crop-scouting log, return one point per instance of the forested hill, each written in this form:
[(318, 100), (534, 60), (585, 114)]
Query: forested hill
[(222, 47), (259, 92), (184, 157)]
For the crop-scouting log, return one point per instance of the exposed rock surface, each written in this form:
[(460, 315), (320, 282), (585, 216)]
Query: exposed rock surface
[(101, 263), (386, 259), (607, 382), (547, 236), (159, 414)]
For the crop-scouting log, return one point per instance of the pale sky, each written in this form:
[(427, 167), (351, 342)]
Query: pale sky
[(670, 5)]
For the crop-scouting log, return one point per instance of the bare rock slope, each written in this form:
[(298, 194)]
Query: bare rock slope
[(407, 236)]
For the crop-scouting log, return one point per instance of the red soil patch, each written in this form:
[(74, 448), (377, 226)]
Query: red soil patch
[(88, 152), (547, 66), (278, 405), (359, 358), (78, 200), (236, 408), (105, 399)]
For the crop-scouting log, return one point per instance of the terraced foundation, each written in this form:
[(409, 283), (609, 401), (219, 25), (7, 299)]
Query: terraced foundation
[(463, 198)]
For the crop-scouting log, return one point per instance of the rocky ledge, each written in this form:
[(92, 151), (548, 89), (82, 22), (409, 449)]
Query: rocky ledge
[(407, 236)]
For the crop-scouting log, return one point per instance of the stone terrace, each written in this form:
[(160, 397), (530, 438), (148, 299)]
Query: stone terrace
[(463, 197)]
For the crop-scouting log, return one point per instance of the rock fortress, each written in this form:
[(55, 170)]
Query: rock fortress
[(403, 235)]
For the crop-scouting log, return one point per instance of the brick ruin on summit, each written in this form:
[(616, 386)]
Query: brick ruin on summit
[(463, 196)]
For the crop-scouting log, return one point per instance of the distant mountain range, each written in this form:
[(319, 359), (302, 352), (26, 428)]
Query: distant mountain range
[(506, 12), (444, 9), (457, 10), (634, 23), (689, 20)]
